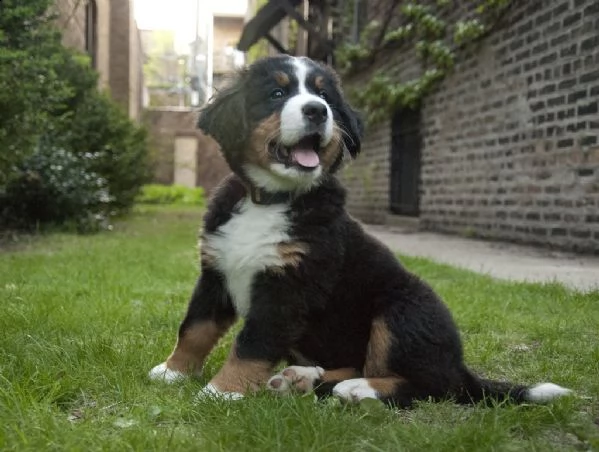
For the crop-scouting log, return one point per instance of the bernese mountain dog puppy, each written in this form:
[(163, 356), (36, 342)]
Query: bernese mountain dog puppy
[(279, 250)]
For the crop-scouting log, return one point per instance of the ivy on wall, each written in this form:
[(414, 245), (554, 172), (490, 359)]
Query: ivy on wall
[(424, 30)]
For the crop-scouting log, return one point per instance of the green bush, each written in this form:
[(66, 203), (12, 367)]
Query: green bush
[(49, 95), (55, 186), (96, 125), (171, 194), (30, 88)]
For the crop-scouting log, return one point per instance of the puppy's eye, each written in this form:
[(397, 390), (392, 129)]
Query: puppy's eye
[(322, 93), (277, 94)]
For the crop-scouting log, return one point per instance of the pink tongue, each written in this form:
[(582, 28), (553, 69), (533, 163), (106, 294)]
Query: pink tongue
[(305, 157)]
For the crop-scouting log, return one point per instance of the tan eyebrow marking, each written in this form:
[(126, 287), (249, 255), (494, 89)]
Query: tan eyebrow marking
[(282, 78), (319, 82)]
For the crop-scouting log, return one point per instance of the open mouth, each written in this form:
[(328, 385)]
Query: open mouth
[(303, 154)]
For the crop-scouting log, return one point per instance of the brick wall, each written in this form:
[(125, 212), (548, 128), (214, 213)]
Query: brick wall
[(164, 125), (71, 20), (510, 145), (120, 52), (136, 76), (368, 177), (118, 47)]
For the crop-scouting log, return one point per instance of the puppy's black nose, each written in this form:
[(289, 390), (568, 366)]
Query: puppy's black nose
[(316, 112)]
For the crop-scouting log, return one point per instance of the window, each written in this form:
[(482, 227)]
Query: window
[(406, 143), (91, 27)]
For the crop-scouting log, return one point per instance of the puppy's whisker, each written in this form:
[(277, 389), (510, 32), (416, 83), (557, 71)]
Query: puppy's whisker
[(345, 133), (272, 137)]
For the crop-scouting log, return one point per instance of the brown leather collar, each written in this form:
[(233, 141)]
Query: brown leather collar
[(266, 198)]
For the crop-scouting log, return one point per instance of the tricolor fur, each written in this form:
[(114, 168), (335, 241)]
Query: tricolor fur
[(315, 290)]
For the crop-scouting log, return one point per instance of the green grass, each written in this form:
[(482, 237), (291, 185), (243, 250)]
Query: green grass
[(83, 318)]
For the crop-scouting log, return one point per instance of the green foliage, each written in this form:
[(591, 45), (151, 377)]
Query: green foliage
[(400, 34), (96, 125), (382, 91), (349, 54), (428, 24), (30, 87), (158, 59), (55, 186), (434, 40), (50, 103), (468, 30), (171, 194)]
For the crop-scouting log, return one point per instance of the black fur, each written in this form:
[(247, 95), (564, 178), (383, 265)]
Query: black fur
[(323, 309)]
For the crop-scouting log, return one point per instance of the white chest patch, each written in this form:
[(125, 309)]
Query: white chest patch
[(246, 245)]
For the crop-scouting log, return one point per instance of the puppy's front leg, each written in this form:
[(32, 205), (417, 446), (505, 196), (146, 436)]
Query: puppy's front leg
[(273, 324), (239, 375), (209, 315)]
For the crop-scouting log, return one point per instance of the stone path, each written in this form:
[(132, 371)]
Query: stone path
[(500, 260)]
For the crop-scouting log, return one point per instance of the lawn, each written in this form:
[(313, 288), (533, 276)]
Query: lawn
[(83, 318)]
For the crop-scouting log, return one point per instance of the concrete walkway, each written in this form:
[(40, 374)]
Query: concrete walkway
[(500, 260)]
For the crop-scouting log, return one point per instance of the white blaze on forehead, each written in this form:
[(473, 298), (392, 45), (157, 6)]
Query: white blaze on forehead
[(301, 72), (293, 122)]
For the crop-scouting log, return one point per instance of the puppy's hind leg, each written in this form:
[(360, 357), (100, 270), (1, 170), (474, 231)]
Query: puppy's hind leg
[(380, 381)]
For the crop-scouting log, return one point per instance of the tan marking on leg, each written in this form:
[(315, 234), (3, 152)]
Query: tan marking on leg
[(344, 373), (385, 387), (329, 154), (241, 375), (378, 349), (282, 78), (194, 345), (265, 132)]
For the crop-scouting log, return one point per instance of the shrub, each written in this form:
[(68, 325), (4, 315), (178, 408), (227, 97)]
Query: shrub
[(49, 95), (30, 88), (97, 125), (55, 186), (171, 194)]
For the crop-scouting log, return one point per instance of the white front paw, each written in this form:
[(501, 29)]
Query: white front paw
[(162, 373)]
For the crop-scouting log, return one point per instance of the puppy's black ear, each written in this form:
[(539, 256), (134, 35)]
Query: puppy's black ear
[(224, 117), (353, 126)]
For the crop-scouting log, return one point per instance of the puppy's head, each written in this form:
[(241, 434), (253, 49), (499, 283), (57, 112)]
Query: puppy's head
[(283, 124)]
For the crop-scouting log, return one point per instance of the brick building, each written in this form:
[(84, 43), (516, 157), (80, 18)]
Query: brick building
[(216, 55), (227, 30), (506, 147), (184, 154), (106, 30)]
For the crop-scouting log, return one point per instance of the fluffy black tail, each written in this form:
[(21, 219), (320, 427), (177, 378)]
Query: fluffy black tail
[(477, 389)]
